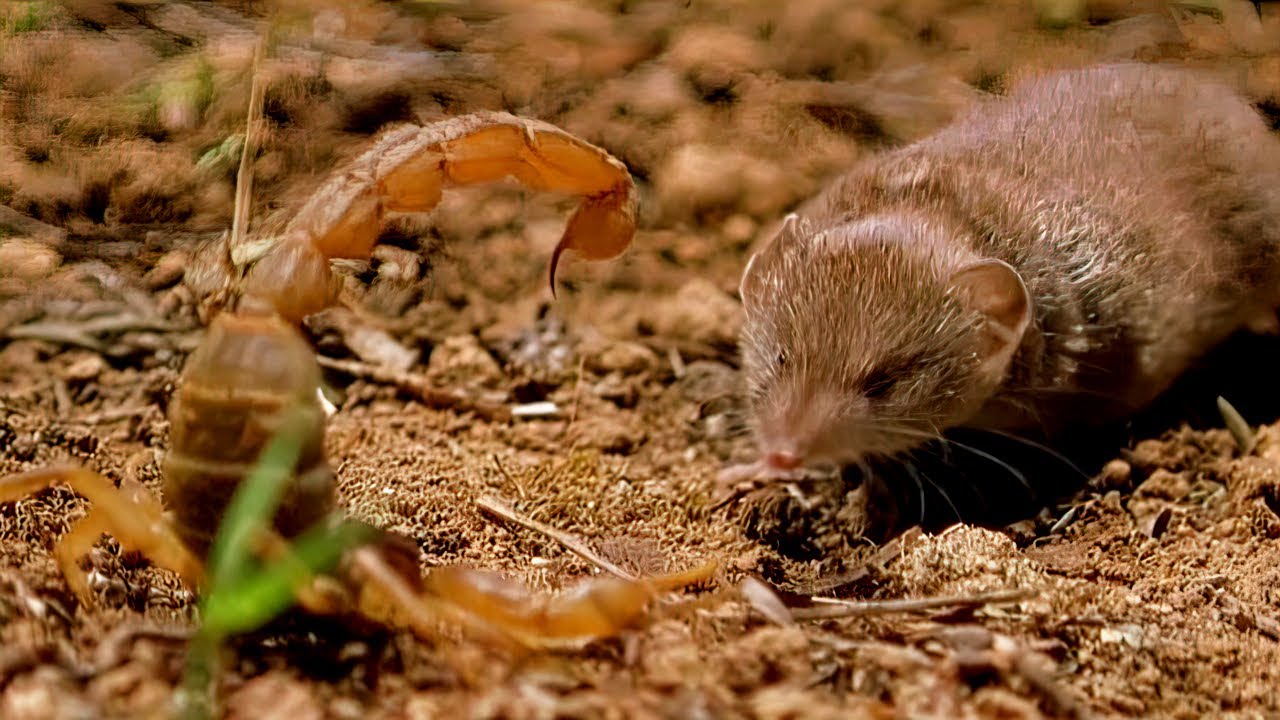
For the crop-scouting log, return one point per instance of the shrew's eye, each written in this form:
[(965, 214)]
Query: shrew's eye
[(877, 384), (782, 358)]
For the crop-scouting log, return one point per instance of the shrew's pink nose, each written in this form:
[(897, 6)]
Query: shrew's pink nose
[(782, 460)]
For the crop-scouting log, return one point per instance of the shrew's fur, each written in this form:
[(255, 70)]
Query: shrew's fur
[(1057, 257)]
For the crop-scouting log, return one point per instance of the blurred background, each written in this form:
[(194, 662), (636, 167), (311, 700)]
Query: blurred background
[(121, 122)]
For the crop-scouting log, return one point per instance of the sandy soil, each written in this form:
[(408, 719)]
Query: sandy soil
[(1150, 591)]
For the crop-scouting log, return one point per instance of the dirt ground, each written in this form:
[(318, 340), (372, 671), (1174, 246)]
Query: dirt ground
[(1151, 592)]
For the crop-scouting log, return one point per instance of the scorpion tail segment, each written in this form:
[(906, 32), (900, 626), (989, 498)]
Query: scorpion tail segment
[(601, 229), (408, 169), (487, 147)]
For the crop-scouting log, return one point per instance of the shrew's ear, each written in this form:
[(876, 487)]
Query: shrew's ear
[(751, 285), (996, 291)]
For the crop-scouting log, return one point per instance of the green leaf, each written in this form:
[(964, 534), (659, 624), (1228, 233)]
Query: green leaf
[(196, 699), (241, 595), (254, 599)]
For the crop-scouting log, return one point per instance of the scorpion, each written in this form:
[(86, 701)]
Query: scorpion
[(254, 368)]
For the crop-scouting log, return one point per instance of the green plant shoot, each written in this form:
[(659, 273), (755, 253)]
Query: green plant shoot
[(243, 594)]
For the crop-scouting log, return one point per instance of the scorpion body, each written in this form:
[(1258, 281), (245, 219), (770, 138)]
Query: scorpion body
[(254, 369)]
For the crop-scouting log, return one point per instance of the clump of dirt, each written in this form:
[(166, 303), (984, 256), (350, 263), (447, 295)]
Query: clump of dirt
[(1150, 593)]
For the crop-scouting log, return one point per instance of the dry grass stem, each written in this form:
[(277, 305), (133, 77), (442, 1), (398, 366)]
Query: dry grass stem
[(499, 509)]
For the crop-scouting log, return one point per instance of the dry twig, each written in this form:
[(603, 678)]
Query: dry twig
[(690, 350), (499, 509), (577, 387), (419, 388), (111, 415), (497, 462), (85, 333), (882, 556), (31, 227), (834, 608), (61, 396), (252, 133)]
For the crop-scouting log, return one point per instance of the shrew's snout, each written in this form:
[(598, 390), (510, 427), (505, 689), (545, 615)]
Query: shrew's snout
[(801, 428), (783, 460)]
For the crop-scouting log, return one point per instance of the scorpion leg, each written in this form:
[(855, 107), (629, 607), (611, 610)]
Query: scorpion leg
[(130, 514), (503, 610), (317, 594), (408, 169), (392, 596), (594, 609)]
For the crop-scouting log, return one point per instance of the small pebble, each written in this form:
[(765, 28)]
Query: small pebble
[(84, 369), (628, 358), (739, 229), (535, 410), (461, 359), (168, 270), (274, 696), (1115, 475), (699, 311), (26, 259)]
